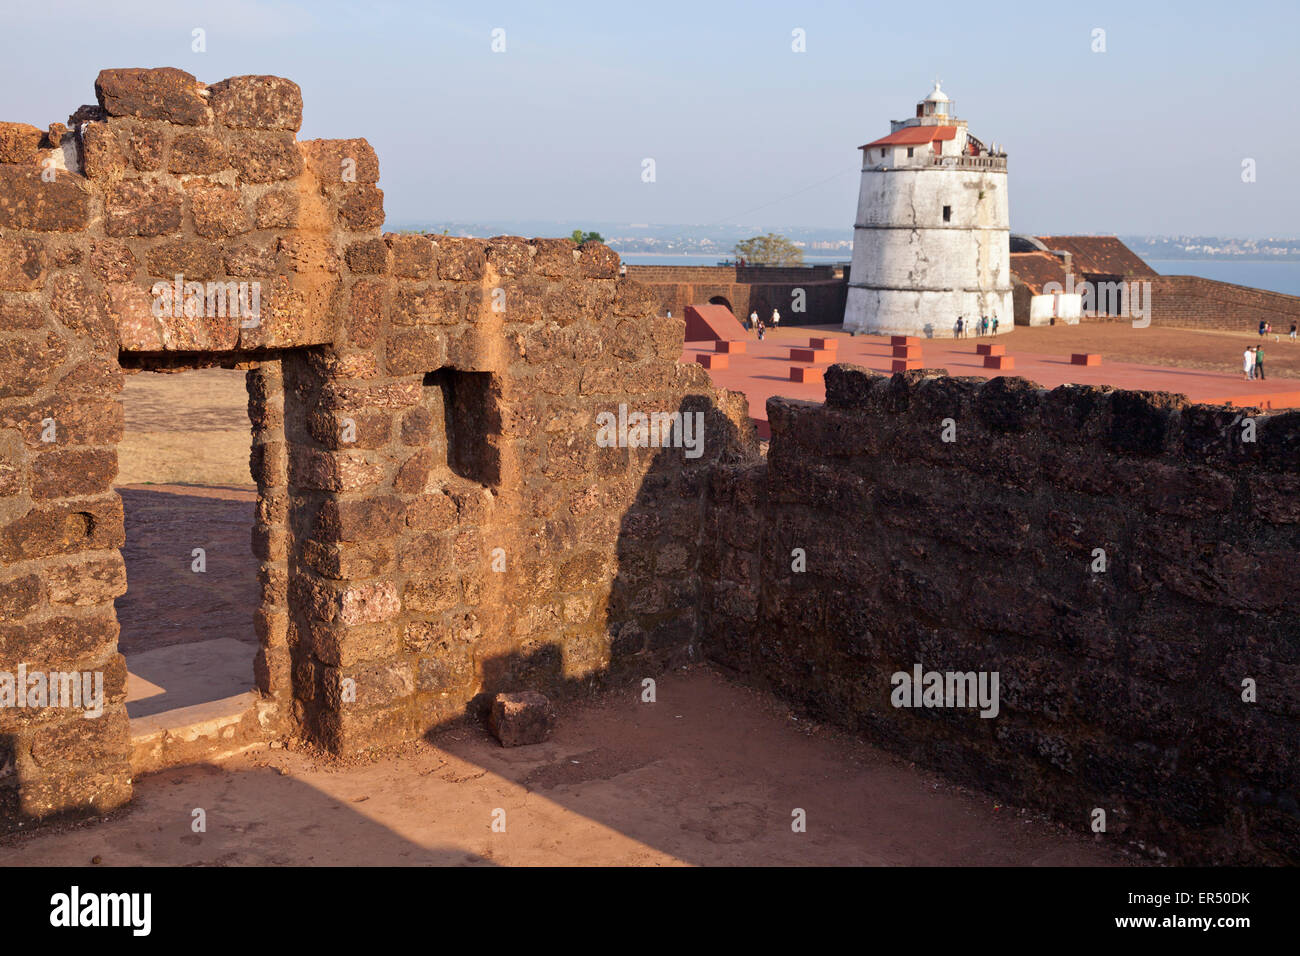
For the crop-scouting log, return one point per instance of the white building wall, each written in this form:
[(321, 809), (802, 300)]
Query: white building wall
[(913, 273), (1066, 307)]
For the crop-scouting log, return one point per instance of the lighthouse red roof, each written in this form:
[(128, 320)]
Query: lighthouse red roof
[(914, 136)]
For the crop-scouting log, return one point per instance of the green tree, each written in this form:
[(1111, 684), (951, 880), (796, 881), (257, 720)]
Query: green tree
[(769, 250), (580, 237)]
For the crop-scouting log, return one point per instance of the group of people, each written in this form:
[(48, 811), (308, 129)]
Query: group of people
[(1252, 361), (754, 322), (985, 326), (1266, 328)]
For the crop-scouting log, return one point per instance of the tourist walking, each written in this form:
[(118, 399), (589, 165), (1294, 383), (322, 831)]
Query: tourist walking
[(752, 320), (776, 318), (1292, 331), (995, 323), (1248, 363), (1263, 326), (761, 329), (1259, 362), (958, 328)]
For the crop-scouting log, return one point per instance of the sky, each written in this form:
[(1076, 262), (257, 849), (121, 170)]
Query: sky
[(1147, 137)]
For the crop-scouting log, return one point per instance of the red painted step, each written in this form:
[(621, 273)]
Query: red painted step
[(807, 373), (713, 360)]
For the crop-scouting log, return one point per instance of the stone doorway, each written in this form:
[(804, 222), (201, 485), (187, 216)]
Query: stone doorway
[(189, 617)]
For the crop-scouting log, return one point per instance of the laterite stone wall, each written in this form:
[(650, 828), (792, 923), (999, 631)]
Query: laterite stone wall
[(435, 520), (1123, 682)]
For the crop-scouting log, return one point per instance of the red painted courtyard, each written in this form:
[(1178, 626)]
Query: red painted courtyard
[(764, 369)]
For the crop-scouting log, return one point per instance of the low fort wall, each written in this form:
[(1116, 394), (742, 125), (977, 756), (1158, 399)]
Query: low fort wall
[(808, 295), (1122, 561), (1193, 302), (1196, 303)]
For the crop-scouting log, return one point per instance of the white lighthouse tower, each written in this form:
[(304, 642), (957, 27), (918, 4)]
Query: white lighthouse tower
[(932, 237)]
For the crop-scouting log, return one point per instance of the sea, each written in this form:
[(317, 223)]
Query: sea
[(669, 259), (1274, 276)]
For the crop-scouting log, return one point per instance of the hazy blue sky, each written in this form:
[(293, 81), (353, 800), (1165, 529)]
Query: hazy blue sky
[(1147, 137)]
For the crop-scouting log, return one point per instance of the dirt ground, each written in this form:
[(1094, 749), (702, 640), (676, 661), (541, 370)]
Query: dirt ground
[(710, 774), (186, 428)]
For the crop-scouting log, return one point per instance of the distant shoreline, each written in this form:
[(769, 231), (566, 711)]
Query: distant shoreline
[(1252, 258)]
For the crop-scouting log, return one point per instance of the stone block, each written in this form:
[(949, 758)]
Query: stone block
[(19, 143), (28, 202), (197, 151), (22, 265), (521, 719), (165, 93), (812, 355), (257, 102), (142, 209)]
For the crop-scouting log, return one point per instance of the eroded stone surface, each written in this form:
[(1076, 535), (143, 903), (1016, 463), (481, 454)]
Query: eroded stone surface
[(522, 718)]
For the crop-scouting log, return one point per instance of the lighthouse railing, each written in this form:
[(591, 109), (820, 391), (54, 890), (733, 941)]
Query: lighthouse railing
[(970, 162)]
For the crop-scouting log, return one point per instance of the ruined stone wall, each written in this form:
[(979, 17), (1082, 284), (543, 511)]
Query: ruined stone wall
[(1119, 689), (475, 537), (435, 518), (749, 288)]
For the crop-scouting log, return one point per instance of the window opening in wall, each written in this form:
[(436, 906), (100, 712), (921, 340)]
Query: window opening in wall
[(468, 406)]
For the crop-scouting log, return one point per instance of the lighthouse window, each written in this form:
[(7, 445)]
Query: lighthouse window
[(909, 152), (947, 213)]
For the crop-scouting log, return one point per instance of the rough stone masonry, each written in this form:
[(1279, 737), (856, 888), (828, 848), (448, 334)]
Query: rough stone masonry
[(437, 522)]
